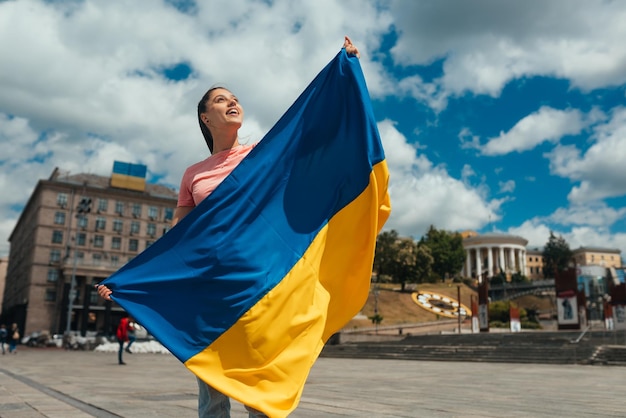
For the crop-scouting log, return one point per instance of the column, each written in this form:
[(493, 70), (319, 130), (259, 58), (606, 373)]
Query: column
[(511, 260), (479, 267), (523, 262), (490, 260), (502, 266), (468, 263)]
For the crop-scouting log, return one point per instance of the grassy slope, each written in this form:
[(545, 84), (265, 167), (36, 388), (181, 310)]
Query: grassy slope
[(398, 307)]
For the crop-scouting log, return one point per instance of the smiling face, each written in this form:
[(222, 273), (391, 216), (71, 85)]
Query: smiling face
[(222, 110)]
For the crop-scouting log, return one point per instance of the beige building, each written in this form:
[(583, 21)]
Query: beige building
[(596, 256), (57, 251), (534, 264), (4, 262)]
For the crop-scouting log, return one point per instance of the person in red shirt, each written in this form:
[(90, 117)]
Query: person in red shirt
[(122, 336)]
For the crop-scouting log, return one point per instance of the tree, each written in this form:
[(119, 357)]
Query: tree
[(556, 255), (423, 263), (447, 251), (386, 253), (404, 269)]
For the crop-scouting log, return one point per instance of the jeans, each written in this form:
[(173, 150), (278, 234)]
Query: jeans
[(214, 404), (119, 353)]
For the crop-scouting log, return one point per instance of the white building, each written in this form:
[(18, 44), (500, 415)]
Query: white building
[(490, 254)]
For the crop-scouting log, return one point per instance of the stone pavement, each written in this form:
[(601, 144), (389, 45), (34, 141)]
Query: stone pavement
[(52, 382)]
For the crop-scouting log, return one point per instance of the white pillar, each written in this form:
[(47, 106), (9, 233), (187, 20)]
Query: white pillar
[(502, 266), (490, 260), (468, 263), (479, 267), (511, 260), (523, 262)]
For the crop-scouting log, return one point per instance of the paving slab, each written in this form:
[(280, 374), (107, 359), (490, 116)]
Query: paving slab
[(51, 382)]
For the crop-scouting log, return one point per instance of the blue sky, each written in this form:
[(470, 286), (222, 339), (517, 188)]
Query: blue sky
[(495, 115)]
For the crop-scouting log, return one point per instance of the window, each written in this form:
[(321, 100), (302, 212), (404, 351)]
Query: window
[(118, 225), (115, 261), (151, 230), (169, 214), (59, 218), (149, 243), (119, 208), (57, 237), (51, 295), (81, 238), (103, 205), (116, 243), (62, 200), (137, 210), (80, 257), (53, 275), (97, 259), (134, 227), (82, 222), (133, 245), (101, 223), (98, 241), (153, 212), (55, 256)]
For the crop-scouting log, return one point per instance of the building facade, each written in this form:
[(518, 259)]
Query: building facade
[(596, 256), (4, 262), (75, 231), (490, 254), (534, 264)]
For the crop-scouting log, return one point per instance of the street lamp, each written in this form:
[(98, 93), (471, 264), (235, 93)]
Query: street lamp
[(83, 208)]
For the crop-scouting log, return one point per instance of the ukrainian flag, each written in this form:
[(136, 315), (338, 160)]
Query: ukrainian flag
[(248, 287)]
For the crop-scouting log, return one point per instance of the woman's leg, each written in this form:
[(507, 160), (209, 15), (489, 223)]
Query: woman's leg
[(211, 403), (121, 350)]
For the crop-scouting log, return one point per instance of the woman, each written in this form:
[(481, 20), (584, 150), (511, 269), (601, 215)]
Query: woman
[(220, 116), (14, 338)]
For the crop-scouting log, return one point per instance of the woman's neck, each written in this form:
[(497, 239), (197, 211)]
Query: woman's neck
[(225, 142)]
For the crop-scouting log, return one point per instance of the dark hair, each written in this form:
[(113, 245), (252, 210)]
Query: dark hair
[(201, 109)]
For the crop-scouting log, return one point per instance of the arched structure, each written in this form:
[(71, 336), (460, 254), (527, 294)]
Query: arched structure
[(489, 254)]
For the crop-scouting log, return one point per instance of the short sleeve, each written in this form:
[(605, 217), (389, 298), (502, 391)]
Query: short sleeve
[(185, 196)]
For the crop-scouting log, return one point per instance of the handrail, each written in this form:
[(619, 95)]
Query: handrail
[(580, 337)]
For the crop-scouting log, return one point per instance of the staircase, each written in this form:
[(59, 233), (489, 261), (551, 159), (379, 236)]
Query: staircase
[(560, 347)]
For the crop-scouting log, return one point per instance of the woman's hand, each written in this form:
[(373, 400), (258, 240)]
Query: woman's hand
[(103, 291), (350, 48)]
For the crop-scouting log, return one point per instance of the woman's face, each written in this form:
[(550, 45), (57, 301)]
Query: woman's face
[(222, 109)]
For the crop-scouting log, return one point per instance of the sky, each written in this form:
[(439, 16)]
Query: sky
[(497, 116)]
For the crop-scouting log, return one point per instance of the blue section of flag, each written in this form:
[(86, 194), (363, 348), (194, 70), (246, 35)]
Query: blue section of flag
[(195, 282), (128, 169)]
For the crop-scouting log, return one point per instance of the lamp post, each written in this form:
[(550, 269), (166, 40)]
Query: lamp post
[(83, 208)]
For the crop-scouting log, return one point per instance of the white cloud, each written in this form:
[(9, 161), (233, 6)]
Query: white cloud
[(487, 43), (600, 169), (506, 186), (424, 195), (547, 124)]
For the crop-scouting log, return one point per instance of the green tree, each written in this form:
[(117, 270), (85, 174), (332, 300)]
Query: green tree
[(447, 251), (386, 253), (406, 256), (498, 279), (556, 255), (423, 263)]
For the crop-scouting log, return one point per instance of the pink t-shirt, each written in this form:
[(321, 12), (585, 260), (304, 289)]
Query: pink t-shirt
[(202, 178)]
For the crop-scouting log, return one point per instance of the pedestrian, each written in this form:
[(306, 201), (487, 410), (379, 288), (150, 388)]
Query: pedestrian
[(122, 336), (220, 115), (3, 337), (14, 338), (132, 335)]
